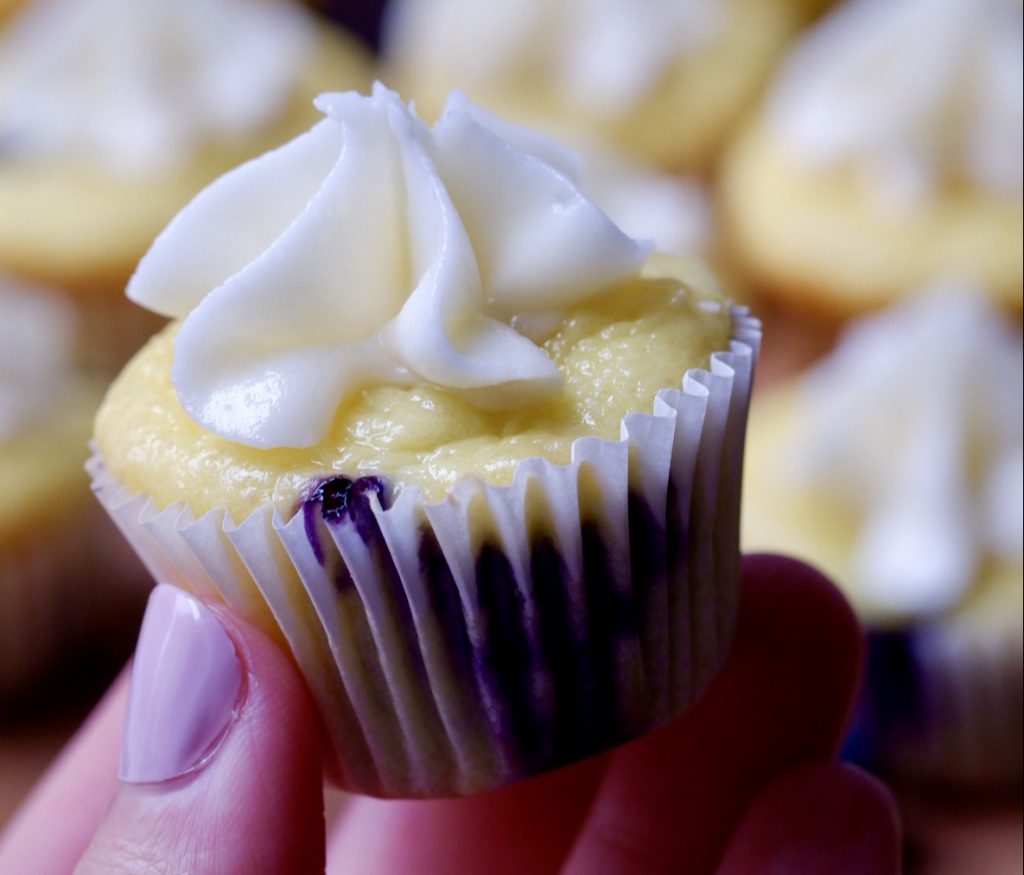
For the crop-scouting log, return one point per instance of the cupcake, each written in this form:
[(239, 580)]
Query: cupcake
[(430, 418), (113, 116), (664, 81), (50, 593), (889, 152), (895, 465)]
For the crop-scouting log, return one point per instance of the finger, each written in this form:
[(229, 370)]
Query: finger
[(525, 828), (672, 798), (220, 768), (56, 823), (826, 817)]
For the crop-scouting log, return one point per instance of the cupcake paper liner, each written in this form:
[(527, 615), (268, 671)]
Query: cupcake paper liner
[(942, 703), (457, 646)]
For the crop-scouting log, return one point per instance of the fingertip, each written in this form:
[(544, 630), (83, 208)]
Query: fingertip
[(821, 817), (528, 826), (75, 792), (793, 609), (673, 797), (283, 695), (216, 714), (784, 586)]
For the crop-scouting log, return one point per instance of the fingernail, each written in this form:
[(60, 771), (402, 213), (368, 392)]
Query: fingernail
[(185, 685)]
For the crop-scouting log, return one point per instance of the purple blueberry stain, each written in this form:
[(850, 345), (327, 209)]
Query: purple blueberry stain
[(564, 652), (341, 501), (648, 558), (676, 549), (507, 658), (334, 500), (577, 652), (446, 605)]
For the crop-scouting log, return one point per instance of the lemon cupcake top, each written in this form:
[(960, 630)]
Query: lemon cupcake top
[(382, 296)]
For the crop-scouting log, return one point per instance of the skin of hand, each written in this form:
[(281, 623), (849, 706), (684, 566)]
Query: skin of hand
[(231, 782)]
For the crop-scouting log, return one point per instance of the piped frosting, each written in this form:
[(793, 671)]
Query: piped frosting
[(374, 249)]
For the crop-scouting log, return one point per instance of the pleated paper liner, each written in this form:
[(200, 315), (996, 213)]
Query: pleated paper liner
[(504, 630)]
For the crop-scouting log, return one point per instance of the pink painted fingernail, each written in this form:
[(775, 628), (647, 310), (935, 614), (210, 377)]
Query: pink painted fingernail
[(185, 689)]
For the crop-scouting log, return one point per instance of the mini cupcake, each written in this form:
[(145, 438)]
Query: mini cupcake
[(889, 152), (433, 420), (49, 594), (662, 80), (895, 465), (112, 116)]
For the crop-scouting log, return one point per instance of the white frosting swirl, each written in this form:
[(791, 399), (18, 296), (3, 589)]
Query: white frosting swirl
[(914, 93), (375, 249), (916, 417), (36, 332), (136, 86), (601, 54)]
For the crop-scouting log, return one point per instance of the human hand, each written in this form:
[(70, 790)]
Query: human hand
[(744, 783)]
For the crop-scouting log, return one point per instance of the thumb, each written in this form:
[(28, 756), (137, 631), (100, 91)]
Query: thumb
[(220, 767)]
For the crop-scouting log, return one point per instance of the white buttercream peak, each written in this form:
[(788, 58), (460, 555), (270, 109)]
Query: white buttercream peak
[(372, 249)]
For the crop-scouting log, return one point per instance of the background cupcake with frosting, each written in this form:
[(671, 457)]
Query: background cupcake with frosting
[(435, 422), (61, 583), (889, 152), (662, 81), (895, 465), (112, 116)]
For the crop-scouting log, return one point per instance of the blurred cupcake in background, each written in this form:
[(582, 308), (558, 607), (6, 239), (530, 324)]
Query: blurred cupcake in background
[(663, 81), (889, 151), (895, 465), (59, 577), (113, 115)]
